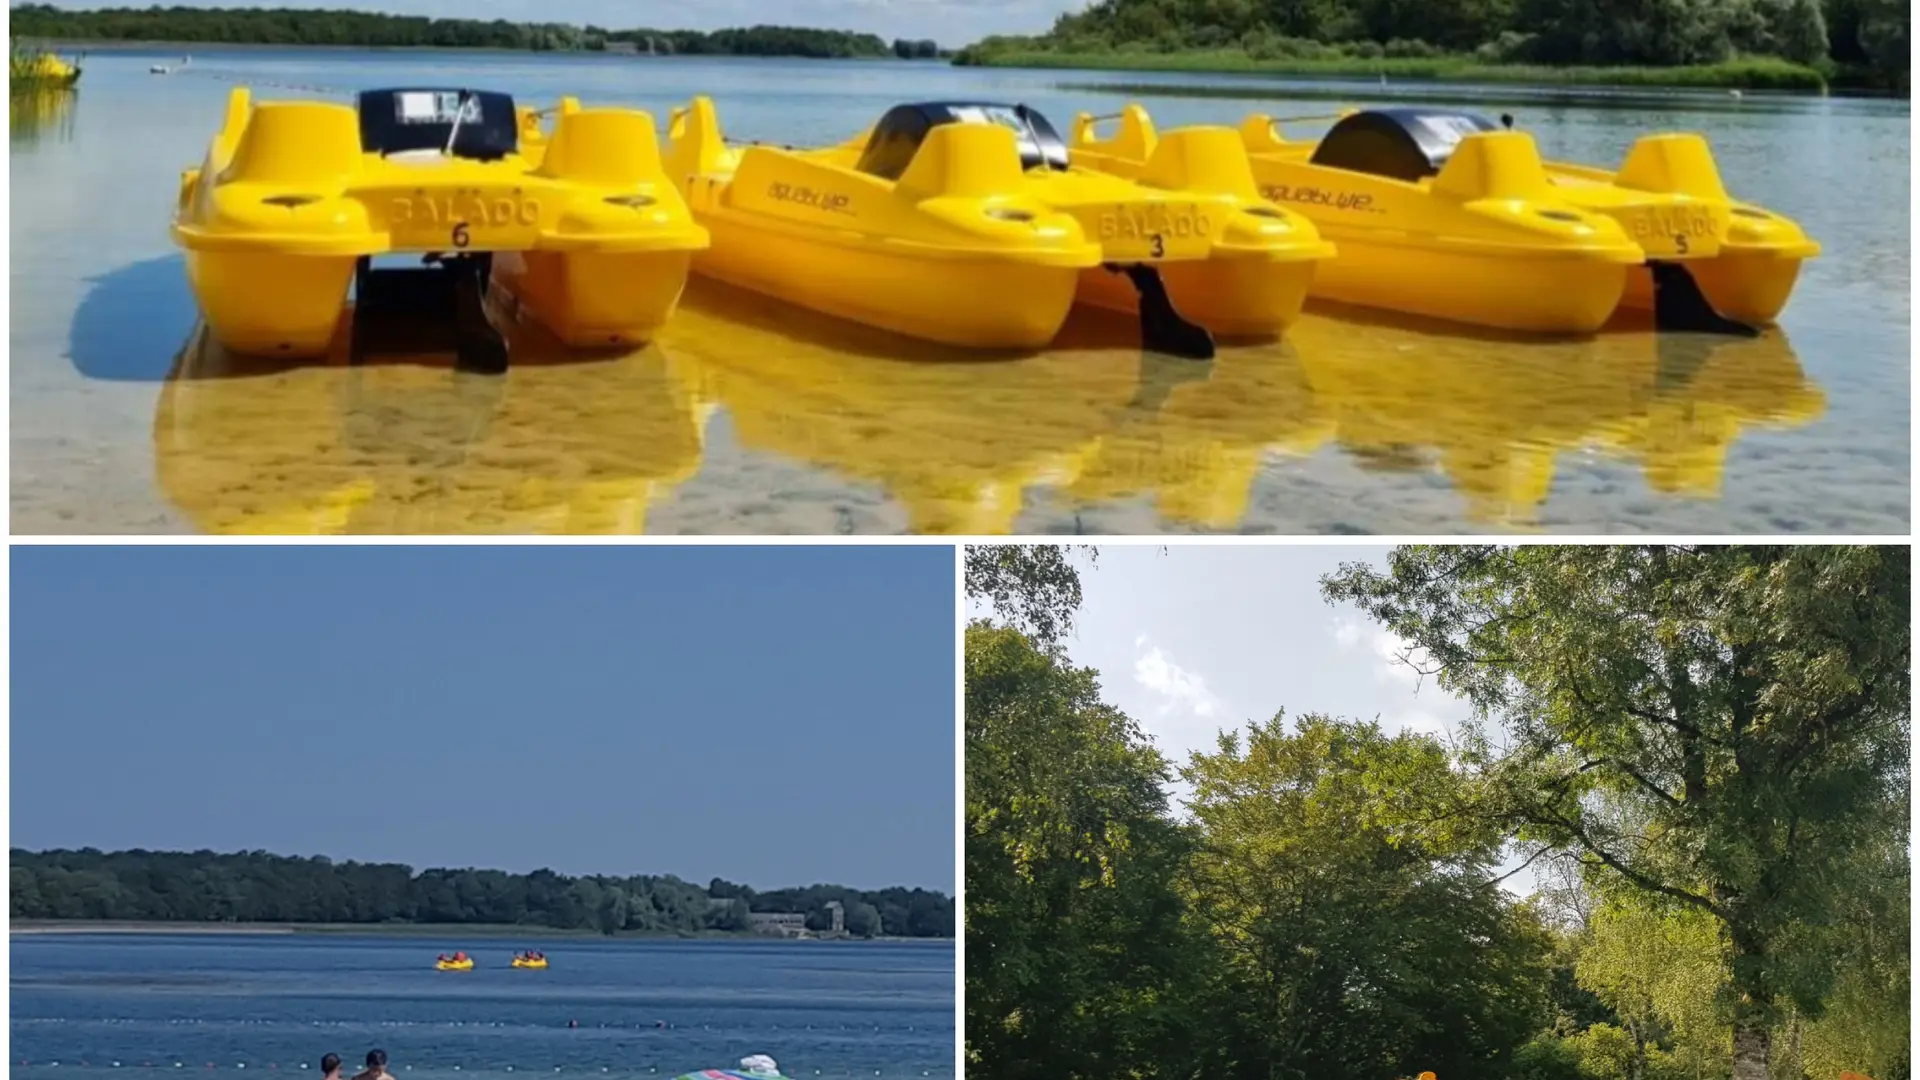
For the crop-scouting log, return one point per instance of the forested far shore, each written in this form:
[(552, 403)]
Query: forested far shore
[(1787, 44), (1765, 44), (320, 27), (257, 887)]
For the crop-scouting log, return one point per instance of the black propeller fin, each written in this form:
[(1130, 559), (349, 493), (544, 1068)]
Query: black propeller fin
[(1162, 329), (1678, 304)]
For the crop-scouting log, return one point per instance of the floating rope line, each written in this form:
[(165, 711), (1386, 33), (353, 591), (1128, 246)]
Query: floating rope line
[(306, 88), (649, 1025)]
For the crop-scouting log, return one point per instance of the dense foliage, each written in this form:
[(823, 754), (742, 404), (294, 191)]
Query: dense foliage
[(1860, 40), (1719, 729), (923, 49), (1700, 752), (255, 886), (313, 26), (750, 41)]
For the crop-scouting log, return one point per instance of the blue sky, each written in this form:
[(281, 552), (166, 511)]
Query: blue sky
[(1192, 639), (772, 715), (951, 22)]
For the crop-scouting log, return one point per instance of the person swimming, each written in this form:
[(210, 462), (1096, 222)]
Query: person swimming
[(376, 1067), (330, 1067)]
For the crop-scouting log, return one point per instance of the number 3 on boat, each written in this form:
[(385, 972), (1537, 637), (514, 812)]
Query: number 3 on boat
[(965, 223), (295, 198)]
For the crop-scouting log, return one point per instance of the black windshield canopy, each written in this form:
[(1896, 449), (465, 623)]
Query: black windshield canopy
[(424, 118), (898, 135), (1403, 144)]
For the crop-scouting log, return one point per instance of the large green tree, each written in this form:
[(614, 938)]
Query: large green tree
[(1349, 944), (1075, 939), (1033, 588), (1720, 728)]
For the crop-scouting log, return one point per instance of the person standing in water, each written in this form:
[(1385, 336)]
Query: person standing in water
[(376, 1067), (330, 1067)]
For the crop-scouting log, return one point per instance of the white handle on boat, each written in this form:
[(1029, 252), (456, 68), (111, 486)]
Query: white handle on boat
[(459, 114)]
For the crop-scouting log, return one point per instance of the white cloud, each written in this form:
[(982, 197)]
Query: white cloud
[(1176, 686), (1420, 721), (1391, 652)]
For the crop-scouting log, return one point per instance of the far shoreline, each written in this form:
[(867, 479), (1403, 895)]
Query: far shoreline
[(1751, 76), (1754, 75), (108, 45), (35, 927)]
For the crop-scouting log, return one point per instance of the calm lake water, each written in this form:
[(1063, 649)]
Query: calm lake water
[(135, 1005), (753, 417)]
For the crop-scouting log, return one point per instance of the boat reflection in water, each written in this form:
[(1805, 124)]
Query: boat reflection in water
[(565, 444), (1495, 415), (40, 112), (410, 445), (957, 441)]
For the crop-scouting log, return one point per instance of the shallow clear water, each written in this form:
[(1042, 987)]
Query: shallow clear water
[(121, 1006), (753, 417)]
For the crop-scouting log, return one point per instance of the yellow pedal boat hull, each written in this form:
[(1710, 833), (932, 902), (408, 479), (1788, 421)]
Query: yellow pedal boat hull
[(1669, 197), (584, 227), (534, 965), (451, 965), (1485, 232), (964, 243), (46, 71)]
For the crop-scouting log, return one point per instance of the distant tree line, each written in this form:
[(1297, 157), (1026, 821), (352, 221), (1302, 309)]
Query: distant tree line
[(750, 41), (922, 49), (1855, 40), (256, 886), (309, 26)]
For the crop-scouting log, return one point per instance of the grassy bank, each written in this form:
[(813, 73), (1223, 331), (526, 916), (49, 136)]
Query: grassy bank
[(1759, 73)]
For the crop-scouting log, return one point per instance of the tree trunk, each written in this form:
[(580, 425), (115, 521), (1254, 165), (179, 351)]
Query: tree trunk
[(1754, 1015), (1751, 1041), (1637, 1068)]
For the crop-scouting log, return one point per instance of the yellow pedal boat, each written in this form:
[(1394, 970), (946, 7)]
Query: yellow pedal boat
[(963, 223), (533, 962), (454, 965), (46, 71), (1448, 215), (294, 199)]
